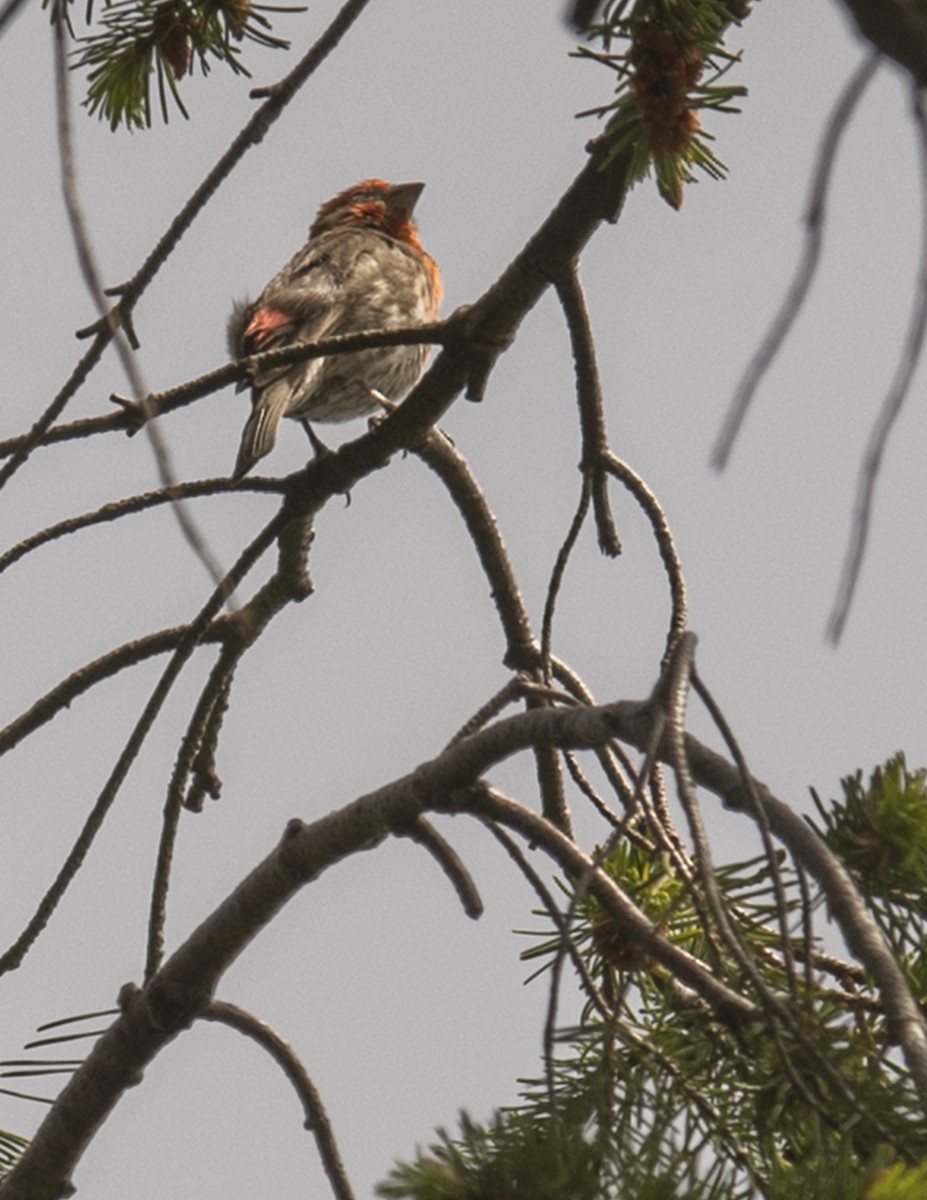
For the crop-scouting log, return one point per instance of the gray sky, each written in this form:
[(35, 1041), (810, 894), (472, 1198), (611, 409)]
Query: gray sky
[(403, 1010)]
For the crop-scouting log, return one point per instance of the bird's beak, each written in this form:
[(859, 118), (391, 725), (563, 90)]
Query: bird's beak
[(403, 198)]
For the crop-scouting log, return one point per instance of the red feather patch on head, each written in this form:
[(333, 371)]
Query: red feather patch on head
[(371, 203)]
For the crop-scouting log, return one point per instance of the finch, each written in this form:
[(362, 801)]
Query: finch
[(363, 268)]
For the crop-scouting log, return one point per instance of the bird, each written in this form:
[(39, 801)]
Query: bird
[(362, 268)]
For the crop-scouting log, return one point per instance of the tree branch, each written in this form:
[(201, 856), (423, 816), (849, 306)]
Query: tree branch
[(282, 1053), (896, 27)]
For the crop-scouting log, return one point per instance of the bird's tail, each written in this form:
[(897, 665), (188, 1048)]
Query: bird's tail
[(260, 432)]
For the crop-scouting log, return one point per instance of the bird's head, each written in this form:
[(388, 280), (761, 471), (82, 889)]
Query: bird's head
[(375, 203)]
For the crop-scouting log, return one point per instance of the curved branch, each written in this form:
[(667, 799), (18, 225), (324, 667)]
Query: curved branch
[(282, 1053), (186, 644), (558, 572), (81, 680), (666, 544), (522, 652), (438, 451), (132, 504), (887, 416), (898, 28), (591, 408), (450, 862), (182, 990), (807, 266)]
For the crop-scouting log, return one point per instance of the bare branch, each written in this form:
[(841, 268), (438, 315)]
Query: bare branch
[(811, 253), (186, 644), (558, 572), (898, 28), (132, 504), (80, 681), (666, 544), (317, 1121), (450, 862), (182, 990), (591, 407), (888, 413)]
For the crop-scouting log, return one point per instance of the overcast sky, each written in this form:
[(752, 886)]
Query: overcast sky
[(403, 1009)]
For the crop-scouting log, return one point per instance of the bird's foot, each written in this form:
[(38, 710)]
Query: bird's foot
[(319, 449)]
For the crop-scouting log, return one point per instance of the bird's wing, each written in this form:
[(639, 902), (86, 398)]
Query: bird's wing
[(298, 305)]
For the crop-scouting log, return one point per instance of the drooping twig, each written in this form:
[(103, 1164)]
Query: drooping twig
[(811, 253), (132, 504), (187, 643), (666, 544), (558, 572), (888, 413), (521, 647), (217, 683), (717, 715), (450, 862), (104, 667), (123, 341), (290, 583), (317, 1120), (441, 455), (591, 406), (563, 928), (675, 689)]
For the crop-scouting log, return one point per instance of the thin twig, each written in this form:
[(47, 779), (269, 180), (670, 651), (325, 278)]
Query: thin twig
[(508, 694), (173, 804), (92, 279), (566, 941), (591, 405), (814, 239), (116, 509), (450, 862), (84, 678), (290, 583), (666, 544), (888, 414), (759, 816), (9, 11), (317, 1121), (187, 643), (558, 572)]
